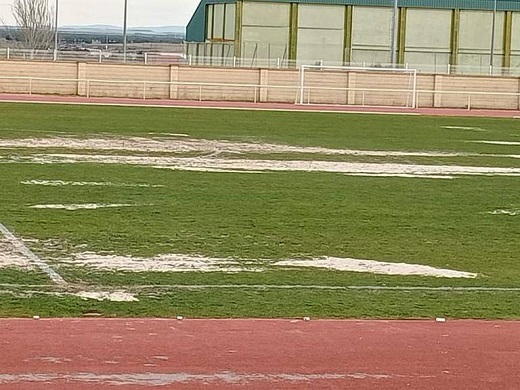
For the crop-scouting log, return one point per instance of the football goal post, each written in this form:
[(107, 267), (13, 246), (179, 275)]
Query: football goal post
[(344, 85)]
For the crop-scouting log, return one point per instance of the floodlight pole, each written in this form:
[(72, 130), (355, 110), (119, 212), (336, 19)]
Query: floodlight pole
[(491, 58), (56, 31), (393, 56), (125, 30)]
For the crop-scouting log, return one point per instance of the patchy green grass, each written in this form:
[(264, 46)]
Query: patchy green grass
[(278, 215), (275, 303)]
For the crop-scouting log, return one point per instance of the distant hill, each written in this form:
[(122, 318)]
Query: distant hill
[(104, 29)]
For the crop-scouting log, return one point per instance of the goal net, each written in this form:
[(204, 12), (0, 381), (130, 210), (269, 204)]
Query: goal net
[(344, 85)]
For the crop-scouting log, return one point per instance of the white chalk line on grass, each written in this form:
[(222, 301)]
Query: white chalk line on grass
[(156, 287), (318, 287), (85, 206), (358, 109), (41, 264), (506, 143), (59, 183)]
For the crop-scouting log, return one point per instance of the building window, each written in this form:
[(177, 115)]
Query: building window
[(220, 22)]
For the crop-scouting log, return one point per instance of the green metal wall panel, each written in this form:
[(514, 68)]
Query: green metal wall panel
[(196, 27)]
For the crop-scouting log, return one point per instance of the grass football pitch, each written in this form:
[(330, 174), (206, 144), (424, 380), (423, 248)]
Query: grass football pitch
[(200, 212)]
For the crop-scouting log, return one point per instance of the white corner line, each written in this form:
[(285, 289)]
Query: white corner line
[(41, 264)]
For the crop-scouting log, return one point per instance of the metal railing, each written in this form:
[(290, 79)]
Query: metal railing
[(200, 91), (178, 58), (100, 56)]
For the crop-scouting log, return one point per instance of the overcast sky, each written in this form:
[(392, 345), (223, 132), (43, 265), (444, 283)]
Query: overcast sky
[(140, 12)]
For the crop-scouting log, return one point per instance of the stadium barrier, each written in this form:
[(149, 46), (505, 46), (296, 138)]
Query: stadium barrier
[(260, 85), (181, 58)]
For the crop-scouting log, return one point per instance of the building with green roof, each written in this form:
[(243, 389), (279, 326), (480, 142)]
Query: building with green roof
[(427, 33)]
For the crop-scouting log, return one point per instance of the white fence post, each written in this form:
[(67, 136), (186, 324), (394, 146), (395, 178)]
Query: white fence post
[(146, 58), (8, 53), (100, 57)]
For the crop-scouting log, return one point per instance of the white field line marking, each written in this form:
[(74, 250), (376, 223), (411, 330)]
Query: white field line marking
[(358, 109), (463, 128), (41, 264), (317, 287), (402, 175), (74, 207), (156, 287), (165, 379), (496, 142), (58, 183)]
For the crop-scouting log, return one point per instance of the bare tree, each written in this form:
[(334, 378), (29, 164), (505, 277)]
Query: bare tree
[(35, 21)]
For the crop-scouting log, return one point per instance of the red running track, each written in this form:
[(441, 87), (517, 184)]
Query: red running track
[(258, 354), (18, 98)]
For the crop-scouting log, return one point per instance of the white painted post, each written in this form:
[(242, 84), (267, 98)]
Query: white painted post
[(189, 60), (8, 53), (100, 57), (200, 93), (146, 58), (278, 63), (469, 101), (234, 61), (414, 98)]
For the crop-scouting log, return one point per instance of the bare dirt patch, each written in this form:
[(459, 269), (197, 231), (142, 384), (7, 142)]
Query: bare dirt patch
[(219, 164), (167, 145), (376, 267), (161, 263), (191, 263), (114, 296), (10, 256), (511, 212)]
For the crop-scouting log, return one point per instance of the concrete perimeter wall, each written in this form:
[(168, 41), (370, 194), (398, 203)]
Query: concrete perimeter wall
[(380, 88)]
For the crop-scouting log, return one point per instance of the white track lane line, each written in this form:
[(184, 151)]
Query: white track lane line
[(41, 264)]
